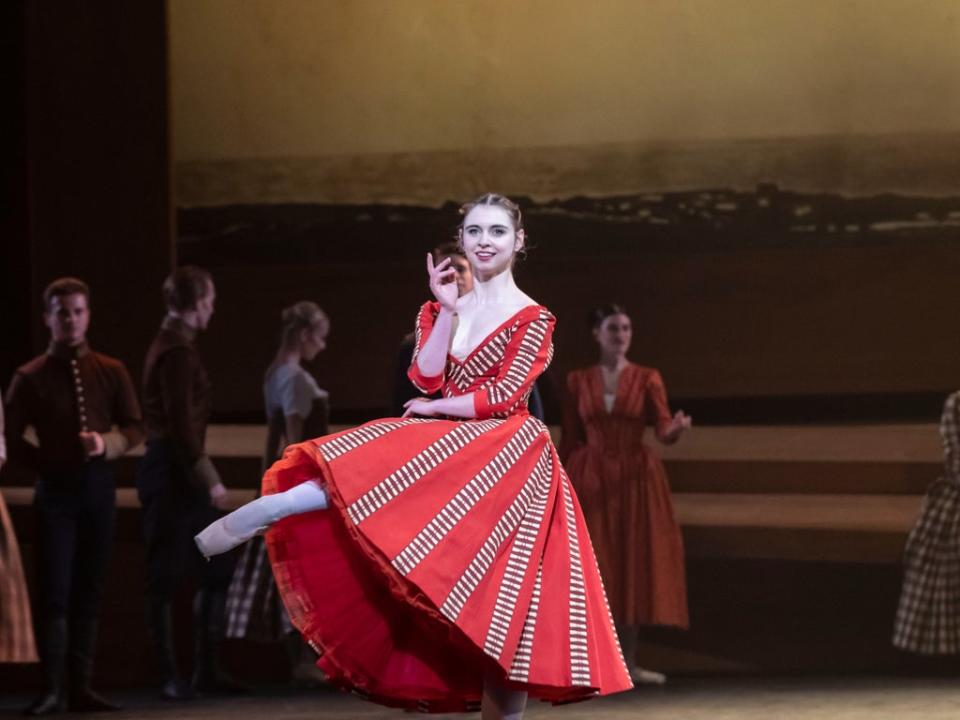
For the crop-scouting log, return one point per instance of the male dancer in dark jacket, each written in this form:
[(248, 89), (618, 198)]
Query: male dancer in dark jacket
[(179, 487), (84, 412)]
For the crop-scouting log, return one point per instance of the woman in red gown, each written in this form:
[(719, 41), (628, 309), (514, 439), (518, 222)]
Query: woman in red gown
[(623, 487), (451, 565)]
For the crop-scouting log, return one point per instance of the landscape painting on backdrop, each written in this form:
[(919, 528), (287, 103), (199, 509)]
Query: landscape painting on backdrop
[(795, 236)]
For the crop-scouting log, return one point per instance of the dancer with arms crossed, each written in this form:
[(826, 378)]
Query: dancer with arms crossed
[(450, 566)]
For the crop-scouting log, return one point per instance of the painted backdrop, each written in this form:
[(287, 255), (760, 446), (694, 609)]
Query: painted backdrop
[(772, 188)]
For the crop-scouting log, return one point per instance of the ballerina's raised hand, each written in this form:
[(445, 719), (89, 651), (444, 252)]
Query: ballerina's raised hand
[(443, 285), (443, 282)]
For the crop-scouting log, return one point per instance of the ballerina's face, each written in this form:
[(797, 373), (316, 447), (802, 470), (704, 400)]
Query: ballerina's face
[(490, 240), (614, 334)]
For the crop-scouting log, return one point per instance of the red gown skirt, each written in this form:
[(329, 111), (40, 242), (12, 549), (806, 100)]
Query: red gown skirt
[(453, 551)]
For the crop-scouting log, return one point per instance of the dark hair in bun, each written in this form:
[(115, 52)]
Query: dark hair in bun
[(601, 313)]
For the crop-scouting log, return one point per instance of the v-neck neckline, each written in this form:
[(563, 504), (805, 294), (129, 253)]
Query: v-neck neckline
[(600, 392), (491, 335)]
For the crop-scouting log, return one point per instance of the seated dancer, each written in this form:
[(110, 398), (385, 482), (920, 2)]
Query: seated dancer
[(623, 486), (928, 617), (451, 565), (296, 410)]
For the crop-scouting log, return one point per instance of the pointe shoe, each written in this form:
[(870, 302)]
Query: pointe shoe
[(642, 676), (215, 539)]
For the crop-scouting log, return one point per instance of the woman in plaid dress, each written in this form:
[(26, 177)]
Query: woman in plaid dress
[(296, 409), (16, 626), (928, 618)]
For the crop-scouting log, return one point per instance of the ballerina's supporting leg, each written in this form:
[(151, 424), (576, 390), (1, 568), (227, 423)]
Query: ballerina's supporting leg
[(500, 702), (257, 515)]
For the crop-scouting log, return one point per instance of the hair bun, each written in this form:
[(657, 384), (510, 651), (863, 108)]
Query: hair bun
[(602, 312)]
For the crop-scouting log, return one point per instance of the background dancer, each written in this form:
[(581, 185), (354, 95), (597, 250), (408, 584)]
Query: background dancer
[(16, 623), (928, 616), (623, 486), (179, 487), (296, 410), (462, 568), (73, 397), (403, 388)]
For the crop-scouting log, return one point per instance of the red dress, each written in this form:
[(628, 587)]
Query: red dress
[(453, 549), (625, 496)]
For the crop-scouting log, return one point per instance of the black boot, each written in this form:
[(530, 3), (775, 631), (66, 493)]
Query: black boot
[(82, 698), (54, 655), (209, 624), (160, 627)]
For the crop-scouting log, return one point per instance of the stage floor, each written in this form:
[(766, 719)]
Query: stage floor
[(714, 699)]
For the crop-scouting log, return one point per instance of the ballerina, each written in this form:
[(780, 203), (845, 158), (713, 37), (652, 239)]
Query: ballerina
[(440, 561)]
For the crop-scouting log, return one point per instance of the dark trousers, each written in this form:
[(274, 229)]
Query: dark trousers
[(76, 514), (174, 510)]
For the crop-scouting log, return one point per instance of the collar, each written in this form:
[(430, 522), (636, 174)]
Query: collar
[(178, 326), (68, 352)]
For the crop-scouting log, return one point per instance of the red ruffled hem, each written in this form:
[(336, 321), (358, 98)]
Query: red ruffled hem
[(377, 633)]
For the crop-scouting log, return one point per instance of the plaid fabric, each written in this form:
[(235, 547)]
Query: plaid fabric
[(928, 617), (254, 609), (16, 627)]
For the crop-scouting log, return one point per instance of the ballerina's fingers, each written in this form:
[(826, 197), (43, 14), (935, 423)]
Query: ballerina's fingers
[(433, 269), (446, 276), (409, 405)]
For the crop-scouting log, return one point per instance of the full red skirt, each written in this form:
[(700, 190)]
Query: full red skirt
[(453, 551)]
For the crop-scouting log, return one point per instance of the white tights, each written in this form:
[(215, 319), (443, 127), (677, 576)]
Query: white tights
[(266, 510)]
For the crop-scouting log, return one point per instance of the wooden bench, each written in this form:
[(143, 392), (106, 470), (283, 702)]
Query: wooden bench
[(839, 493), (794, 537)]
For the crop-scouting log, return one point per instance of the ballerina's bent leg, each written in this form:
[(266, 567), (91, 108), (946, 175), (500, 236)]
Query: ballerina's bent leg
[(257, 515)]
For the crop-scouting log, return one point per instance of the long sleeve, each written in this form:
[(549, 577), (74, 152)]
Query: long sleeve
[(425, 319), (176, 376), (657, 406), (526, 356), (574, 434), (19, 401), (403, 389), (126, 416)]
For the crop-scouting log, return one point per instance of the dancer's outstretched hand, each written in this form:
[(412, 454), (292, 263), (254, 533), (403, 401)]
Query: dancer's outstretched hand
[(421, 407), (678, 423), (443, 282), (219, 497)]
